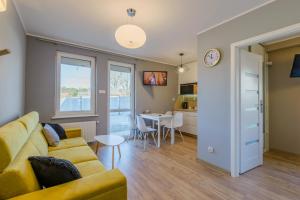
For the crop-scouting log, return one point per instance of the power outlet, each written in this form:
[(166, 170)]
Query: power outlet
[(210, 149)]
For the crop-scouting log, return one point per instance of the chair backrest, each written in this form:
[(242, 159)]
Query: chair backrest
[(132, 122), (141, 125), (178, 119), (168, 113)]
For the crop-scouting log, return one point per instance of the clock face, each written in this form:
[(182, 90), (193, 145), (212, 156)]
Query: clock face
[(212, 57)]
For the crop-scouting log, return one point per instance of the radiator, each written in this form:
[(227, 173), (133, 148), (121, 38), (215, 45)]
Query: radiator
[(88, 129)]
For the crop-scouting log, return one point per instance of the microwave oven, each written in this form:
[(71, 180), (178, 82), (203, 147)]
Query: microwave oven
[(188, 89)]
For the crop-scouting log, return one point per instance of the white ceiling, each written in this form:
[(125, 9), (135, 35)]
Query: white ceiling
[(171, 25)]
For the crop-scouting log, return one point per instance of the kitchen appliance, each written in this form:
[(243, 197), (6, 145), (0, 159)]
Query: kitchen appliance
[(185, 105), (188, 88)]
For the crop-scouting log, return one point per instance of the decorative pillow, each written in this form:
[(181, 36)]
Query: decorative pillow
[(59, 130), (51, 135), (51, 171)]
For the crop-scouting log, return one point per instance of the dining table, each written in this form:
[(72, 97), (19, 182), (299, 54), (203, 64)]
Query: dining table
[(159, 118)]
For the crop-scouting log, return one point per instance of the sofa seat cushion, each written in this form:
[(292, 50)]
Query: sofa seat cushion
[(75, 154), (90, 167), (69, 143)]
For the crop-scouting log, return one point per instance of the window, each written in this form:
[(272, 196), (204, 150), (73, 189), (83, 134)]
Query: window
[(75, 85)]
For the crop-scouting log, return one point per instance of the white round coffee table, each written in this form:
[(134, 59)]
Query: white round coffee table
[(110, 140)]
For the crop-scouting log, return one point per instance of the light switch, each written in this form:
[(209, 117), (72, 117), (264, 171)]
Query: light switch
[(102, 91)]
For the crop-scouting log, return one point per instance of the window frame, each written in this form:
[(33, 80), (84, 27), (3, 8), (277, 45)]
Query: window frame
[(62, 114)]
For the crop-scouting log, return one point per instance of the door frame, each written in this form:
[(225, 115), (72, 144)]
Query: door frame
[(235, 101), (132, 89)]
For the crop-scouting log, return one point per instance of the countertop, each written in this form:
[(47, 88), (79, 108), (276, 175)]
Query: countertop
[(186, 110)]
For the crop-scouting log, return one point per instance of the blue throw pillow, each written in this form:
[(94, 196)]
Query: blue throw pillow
[(59, 130), (51, 171), (51, 135)]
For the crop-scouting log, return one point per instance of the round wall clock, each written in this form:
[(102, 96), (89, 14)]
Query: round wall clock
[(212, 57)]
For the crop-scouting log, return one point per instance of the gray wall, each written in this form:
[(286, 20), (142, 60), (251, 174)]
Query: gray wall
[(40, 82), (12, 66), (284, 94), (214, 83)]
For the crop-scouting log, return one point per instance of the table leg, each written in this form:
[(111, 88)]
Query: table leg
[(172, 133), (164, 134), (119, 150), (113, 157), (158, 133), (97, 146)]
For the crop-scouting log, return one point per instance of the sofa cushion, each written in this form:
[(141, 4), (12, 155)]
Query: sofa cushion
[(53, 171), (30, 121), (12, 138), (18, 178), (73, 132), (68, 143), (90, 167), (75, 154), (59, 130), (51, 136), (39, 141)]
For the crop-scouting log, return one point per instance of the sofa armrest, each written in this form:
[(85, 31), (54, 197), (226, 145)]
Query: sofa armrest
[(73, 132), (102, 186)]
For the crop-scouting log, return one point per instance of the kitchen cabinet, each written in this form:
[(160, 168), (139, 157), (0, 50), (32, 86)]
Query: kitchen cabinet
[(189, 122)]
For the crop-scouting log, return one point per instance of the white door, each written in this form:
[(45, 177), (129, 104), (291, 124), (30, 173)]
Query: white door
[(251, 111), (121, 98)]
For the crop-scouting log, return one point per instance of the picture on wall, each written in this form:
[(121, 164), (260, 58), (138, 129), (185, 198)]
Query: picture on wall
[(155, 78)]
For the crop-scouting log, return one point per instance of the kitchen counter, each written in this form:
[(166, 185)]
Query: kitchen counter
[(186, 110)]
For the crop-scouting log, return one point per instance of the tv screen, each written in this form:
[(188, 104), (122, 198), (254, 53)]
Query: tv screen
[(155, 78), (296, 67)]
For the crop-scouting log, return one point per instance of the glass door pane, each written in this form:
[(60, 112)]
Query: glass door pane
[(121, 98)]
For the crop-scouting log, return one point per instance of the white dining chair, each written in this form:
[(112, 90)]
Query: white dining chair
[(163, 122), (132, 128), (144, 130), (176, 124)]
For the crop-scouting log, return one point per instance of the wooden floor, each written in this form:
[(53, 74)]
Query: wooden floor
[(173, 172)]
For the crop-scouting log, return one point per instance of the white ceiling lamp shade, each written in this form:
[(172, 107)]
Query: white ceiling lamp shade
[(181, 69), (2, 5), (130, 36)]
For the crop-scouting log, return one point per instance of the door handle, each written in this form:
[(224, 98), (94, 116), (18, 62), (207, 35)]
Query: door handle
[(261, 106)]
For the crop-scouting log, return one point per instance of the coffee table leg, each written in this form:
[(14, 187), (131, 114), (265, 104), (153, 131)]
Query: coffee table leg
[(113, 157), (119, 150), (97, 148)]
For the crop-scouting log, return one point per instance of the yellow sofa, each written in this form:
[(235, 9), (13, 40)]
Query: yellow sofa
[(23, 138)]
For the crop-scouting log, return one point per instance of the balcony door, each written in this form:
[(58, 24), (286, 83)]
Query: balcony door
[(121, 98)]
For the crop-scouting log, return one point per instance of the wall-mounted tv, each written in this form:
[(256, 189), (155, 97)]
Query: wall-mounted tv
[(296, 67), (155, 78)]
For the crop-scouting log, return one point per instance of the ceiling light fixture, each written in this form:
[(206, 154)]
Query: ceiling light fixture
[(181, 69), (2, 5), (130, 36)]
